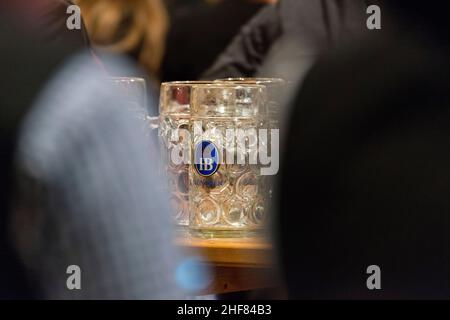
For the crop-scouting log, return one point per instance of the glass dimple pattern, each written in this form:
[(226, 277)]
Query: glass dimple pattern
[(232, 199)]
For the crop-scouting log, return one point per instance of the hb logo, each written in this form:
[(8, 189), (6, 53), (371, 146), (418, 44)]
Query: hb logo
[(206, 158), (206, 164)]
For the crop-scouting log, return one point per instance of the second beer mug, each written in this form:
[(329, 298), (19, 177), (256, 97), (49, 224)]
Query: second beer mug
[(175, 113), (225, 192)]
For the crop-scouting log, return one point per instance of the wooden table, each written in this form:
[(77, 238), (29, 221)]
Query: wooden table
[(238, 264)]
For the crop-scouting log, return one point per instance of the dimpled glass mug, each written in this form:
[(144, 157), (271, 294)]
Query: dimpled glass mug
[(134, 90), (225, 196), (174, 118)]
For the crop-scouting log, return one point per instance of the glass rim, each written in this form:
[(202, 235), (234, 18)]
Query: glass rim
[(231, 85), (256, 80), (137, 79), (184, 83)]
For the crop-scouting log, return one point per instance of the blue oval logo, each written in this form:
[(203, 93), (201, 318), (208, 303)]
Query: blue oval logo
[(207, 158)]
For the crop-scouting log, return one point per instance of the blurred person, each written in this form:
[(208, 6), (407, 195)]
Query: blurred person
[(89, 195), (365, 174), (200, 30), (305, 27), (136, 28), (84, 193)]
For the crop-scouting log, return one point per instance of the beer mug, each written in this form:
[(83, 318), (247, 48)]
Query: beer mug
[(225, 197), (134, 91), (174, 118)]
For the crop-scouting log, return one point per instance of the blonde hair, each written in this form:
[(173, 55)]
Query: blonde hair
[(136, 27)]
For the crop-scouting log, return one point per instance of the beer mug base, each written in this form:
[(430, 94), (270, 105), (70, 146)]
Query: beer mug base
[(226, 233)]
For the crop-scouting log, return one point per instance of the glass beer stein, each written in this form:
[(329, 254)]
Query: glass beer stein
[(174, 117), (225, 194), (134, 90)]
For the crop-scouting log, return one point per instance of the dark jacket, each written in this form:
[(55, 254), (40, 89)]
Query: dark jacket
[(365, 176), (314, 25)]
